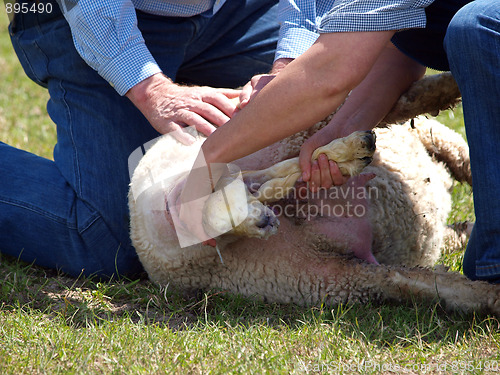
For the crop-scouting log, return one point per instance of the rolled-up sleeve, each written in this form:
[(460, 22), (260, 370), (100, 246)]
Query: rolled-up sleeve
[(303, 20), (106, 36), (298, 27), (374, 15)]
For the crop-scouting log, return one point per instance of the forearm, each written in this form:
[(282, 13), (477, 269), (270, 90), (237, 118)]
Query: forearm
[(370, 101), (142, 93), (307, 90), (367, 104)]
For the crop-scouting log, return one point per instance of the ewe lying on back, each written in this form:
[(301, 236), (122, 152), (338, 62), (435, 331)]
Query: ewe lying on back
[(313, 257), (309, 258)]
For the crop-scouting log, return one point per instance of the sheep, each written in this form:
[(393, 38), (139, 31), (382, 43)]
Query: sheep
[(382, 252)]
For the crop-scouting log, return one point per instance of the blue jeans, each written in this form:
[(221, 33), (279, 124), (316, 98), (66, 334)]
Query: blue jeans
[(72, 213), (473, 47)]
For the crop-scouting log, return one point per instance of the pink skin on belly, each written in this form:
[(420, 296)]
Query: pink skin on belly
[(342, 216)]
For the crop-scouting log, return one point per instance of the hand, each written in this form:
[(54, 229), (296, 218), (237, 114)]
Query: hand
[(253, 87), (169, 107), (258, 82), (320, 173)]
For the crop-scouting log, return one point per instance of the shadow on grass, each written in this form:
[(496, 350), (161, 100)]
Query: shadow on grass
[(85, 302)]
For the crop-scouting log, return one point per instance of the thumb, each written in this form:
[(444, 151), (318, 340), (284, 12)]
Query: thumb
[(180, 134), (305, 162), (246, 93), (230, 93), (183, 137)]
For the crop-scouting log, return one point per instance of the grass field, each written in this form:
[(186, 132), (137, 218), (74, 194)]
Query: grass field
[(51, 324)]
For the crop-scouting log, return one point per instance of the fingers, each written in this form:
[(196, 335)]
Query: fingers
[(320, 173), (324, 173), (199, 121), (326, 179), (337, 177), (314, 181), (205, 108), (178, 130), (205, 114), (167, 105), (253, 87), (220, 107)]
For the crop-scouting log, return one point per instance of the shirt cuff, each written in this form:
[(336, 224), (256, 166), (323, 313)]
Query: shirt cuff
[(294, 41), (334, 21), (129, 68)]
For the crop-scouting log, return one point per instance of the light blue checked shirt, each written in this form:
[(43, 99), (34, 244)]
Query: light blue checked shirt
[(303, 20), (106, 35)]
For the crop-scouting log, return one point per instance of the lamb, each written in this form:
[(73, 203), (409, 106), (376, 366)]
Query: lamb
[(319, 255)]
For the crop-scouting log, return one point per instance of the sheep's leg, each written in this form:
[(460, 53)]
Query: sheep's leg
[(356, 146), (352, 154), (451, 289), (277, 188), (292, 268), (455, 291), (456, 235), (446, 146), (255, 179), (431, 94)]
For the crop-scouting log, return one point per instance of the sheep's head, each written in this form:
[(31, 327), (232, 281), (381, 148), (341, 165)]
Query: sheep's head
[(232, 209)]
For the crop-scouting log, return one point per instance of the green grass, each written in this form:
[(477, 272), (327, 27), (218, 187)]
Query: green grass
[(52, 324), (23, 118)]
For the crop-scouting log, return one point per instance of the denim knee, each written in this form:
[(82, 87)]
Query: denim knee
[(471, 43), (465, 28)]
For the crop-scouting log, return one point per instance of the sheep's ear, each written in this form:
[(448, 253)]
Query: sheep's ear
[(431, 94)]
